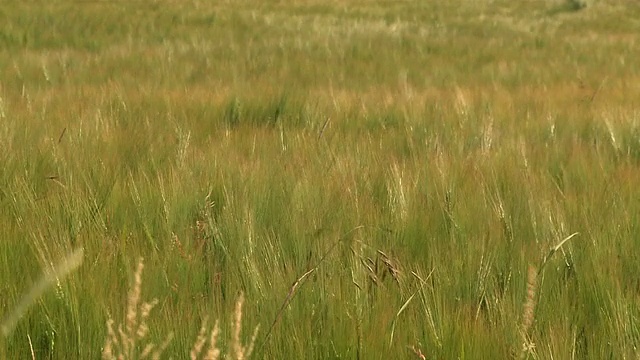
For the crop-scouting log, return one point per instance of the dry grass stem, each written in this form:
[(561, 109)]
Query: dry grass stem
[(529, 310), (124, 343), (200, 340), (156, 355), (241, 352), (418, 353), (213, 353), (49, 278)]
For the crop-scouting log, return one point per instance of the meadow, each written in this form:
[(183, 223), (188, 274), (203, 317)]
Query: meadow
[(356, 179)]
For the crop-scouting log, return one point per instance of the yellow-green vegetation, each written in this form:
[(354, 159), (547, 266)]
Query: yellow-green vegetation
[(374, 179)]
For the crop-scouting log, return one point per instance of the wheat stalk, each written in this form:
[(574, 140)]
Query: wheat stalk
[(529, 308)]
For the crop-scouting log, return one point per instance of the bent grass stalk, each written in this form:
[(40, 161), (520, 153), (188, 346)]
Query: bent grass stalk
[(48, 279), (404, 306), (529, 308)]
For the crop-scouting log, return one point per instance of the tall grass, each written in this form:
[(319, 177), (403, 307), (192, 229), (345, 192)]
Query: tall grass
[(375, 178)]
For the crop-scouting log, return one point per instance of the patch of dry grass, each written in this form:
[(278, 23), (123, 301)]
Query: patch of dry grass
[(131, 341)]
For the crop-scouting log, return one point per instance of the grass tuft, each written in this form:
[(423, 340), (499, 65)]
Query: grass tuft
[(130, 342)]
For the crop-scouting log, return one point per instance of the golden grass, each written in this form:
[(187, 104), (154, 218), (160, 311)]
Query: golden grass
[(529, 311), (124, 344), (130, 342)]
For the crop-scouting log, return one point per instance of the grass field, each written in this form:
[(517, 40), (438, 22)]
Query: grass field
[(375, 179)]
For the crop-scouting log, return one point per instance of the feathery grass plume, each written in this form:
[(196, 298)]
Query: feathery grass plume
[(48, 278), (529, 309), (123, 344), (213, 353), (418, 352), (241, 352), (162, 347), (237, 351), (200, 340)]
